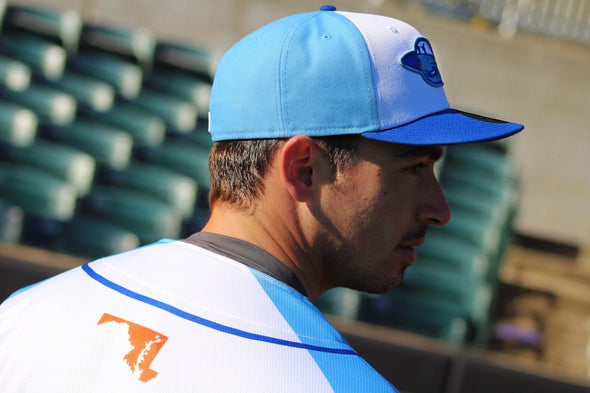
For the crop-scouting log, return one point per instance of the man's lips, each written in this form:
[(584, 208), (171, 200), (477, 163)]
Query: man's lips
[(406, 247), (411, 243)]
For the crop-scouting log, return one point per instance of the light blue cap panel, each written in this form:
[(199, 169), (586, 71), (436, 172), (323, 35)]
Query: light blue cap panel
[(342, 98), (300, 74)]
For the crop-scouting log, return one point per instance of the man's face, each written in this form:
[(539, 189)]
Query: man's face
[(376, 212)]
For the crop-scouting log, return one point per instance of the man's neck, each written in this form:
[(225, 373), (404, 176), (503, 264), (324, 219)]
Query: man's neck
[(274, 234)]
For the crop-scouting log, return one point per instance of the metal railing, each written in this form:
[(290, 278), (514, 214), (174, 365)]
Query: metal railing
[(563, 19)]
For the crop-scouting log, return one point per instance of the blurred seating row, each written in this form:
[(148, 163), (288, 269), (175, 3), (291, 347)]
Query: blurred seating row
[(449, 292), (103, 139)]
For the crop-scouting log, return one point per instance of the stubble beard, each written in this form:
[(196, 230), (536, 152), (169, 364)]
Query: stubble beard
[(378, 285), (377, 281)]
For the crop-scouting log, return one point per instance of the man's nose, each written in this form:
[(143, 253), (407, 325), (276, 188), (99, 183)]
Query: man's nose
[(434, 209)]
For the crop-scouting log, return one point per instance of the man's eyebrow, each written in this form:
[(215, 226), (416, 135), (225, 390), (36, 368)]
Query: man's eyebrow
[(433, 152)]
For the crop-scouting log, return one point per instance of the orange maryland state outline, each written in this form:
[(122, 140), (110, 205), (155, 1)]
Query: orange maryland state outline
[(146, 344)]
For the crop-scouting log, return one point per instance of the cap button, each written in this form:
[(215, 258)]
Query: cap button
[(327, 8)]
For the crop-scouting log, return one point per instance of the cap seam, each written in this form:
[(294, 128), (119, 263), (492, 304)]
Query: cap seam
[(281, 79), (368, 74), (368, 45)]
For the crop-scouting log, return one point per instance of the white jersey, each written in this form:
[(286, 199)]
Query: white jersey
[(173, 317)]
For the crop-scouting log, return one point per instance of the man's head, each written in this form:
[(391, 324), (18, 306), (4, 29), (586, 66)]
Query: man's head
[(330, 124)]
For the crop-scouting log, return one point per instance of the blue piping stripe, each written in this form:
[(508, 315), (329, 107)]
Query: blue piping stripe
[(205, 322)]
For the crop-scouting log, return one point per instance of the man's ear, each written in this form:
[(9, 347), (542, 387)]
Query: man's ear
[(298, 160)]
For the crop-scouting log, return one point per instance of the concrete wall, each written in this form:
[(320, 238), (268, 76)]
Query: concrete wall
[(540, 82)]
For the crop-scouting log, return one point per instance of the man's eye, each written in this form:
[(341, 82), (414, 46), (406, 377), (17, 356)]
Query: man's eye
[(417, 168)]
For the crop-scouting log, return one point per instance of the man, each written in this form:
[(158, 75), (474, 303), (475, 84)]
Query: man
[(327, 128)]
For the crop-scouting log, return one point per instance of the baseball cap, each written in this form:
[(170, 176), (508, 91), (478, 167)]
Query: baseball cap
[(333, 73)]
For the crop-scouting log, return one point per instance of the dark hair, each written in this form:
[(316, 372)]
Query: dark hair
[(237, 168)]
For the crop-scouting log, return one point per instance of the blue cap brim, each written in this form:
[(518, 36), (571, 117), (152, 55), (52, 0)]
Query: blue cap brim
[(447, 127)]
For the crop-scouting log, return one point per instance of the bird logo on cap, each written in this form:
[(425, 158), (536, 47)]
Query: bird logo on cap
[(421, 60)]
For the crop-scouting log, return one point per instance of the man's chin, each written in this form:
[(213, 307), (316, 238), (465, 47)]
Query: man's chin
[(379, 287)]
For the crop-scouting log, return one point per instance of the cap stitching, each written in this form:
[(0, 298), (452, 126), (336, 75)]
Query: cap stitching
[(281, 81), (368, 74), (379, 95)]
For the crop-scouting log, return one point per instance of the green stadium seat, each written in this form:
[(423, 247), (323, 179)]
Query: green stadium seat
[(146, 216), (135, 45), (65, 162), (418, 313), (192, 59), (52, 106), (469, 188), (182, 85), (11, 222), (471, 296), (200, 136), (481, 184), (18, 125), (473, 230), (110, 147), (480, 172), (478, 178), (489, 209), (88, 91), (483, 159), (123, 75), (45, 58), (37, 192), (176, 190), (62, 27), (340, 302), (179, 115), (189, 159), (146, 129), (444, 249), (14, 74), (503, 145), (92, 237), (197, 222)]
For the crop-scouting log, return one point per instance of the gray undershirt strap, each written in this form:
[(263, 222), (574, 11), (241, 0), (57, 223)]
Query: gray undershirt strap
[(248, 254)]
